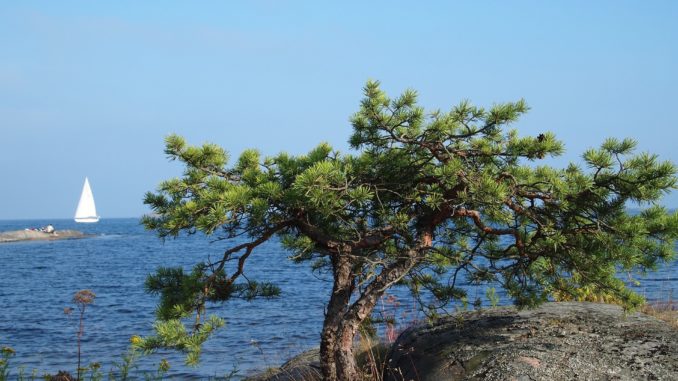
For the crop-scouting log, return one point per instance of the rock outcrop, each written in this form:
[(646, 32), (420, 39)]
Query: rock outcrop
[(303, 367), (557, 341), (36, 235)]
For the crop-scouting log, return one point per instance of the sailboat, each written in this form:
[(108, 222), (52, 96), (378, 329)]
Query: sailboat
[(86, 211)]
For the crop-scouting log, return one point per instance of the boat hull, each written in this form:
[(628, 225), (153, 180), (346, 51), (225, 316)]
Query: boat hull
[(87, 219)]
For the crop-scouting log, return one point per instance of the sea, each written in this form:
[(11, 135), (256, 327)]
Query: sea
[(39, 279)]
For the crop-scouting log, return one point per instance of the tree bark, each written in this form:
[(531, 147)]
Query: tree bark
[(337, 359), (328, 342), (346, 366), (337, 307), (343, 318)]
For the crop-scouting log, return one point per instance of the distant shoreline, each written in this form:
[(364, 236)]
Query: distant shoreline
[(36, 235)]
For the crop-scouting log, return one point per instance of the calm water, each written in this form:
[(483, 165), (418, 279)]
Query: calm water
[(38, 280)]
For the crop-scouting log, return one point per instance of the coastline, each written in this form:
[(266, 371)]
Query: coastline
[(34, 235)]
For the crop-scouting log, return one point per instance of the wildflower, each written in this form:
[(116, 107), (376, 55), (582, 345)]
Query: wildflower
[(7, 351), (84, 297), (135, 340)]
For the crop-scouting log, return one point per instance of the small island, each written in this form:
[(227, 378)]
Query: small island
[(37, 235)]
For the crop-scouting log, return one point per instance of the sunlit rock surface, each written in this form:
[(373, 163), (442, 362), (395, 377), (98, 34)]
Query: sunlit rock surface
[(36, 235), (557, 341)]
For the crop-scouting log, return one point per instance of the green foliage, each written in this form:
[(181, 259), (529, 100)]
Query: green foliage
[(95, 373), (174, 335), (124, 367), (181, 294), (6, 353), (120, 371), (23, 377), (430, 201), (492, 297), (163, 368)]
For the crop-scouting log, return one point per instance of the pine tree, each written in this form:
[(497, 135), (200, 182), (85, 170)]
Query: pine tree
[(428, 200)]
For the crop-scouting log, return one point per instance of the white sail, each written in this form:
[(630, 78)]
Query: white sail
[(86, 211)]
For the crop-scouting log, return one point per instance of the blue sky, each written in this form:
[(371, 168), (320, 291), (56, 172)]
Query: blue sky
[(92, 88)]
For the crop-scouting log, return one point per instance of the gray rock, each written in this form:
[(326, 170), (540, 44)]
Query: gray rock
[(303, 367), (557, 341), (35, 235)]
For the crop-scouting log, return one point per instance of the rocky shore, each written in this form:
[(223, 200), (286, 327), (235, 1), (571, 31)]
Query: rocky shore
[(36, 235), (557, 341)]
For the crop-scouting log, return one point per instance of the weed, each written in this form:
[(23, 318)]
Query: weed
[(372, 350), (125, 366), (163, 368), (395, 318), (371, 358), (95, 372), (6, 353), (666, 311), (492, 296), (228, 376), (464, 304), (82, 299), (23, 377)]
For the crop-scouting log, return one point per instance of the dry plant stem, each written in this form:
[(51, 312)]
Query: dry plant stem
[(81, 331), (666, 311), (82, 298)]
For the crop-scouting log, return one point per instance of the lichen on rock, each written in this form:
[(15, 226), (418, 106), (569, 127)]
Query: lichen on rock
[(557, 341)]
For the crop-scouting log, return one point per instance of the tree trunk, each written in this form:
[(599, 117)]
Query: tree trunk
[(336, 352), (347, 368), (349, 325), (337, 344), (337, 307), (343, 319), (328, 342)]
